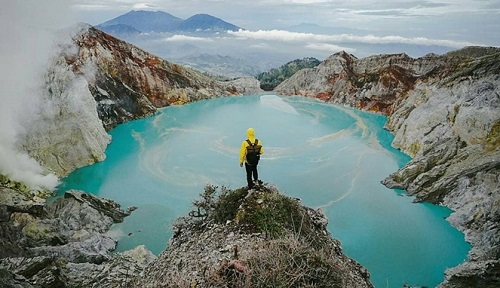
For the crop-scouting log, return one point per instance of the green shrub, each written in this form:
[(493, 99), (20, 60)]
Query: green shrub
[(269, 80)]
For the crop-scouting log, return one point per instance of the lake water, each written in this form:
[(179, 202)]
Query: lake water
[(331, 157)]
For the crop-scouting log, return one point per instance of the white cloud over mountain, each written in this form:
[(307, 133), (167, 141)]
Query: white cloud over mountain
[(455, 22), (319, 39), (180, 38)]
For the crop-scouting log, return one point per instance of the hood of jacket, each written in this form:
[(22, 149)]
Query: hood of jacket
[(251, 134)]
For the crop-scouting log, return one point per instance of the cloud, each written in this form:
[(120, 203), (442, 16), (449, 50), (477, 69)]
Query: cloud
[(275, 35), (332, 48), (144, 6), (180, 38), (260, 45), (287, 36), (90, 7)]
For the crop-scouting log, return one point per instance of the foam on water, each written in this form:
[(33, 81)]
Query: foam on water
[(277, 103), (331, 157)]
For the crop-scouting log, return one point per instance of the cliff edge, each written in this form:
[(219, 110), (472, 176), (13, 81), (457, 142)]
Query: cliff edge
[(252, 238), (444, 112)]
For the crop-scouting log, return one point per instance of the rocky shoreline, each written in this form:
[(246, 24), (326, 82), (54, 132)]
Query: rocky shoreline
[(62, 243), (444, 112)]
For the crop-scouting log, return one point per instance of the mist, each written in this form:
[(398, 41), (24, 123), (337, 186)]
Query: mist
[(29, 30)]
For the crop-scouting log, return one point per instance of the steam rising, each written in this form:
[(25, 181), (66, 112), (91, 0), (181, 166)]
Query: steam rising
[(28, 33)]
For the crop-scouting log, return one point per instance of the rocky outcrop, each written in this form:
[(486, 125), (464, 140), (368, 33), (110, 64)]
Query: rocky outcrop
[(63, 243), (248, 238), (376, 83), (67, 133), (97, 82), (242, 85), (445, 112), (450, 126), (130, 83)]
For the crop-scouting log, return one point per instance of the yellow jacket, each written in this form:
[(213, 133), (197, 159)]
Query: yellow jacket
[(244, 145)]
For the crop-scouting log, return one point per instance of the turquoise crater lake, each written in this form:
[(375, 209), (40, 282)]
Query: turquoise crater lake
[(329, 156)]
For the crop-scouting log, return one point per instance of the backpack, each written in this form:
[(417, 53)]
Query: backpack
[(253, 152)]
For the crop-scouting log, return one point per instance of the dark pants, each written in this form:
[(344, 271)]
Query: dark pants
[(251, 169)]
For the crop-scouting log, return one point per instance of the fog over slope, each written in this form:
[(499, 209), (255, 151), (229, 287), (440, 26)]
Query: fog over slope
[(27, 45)]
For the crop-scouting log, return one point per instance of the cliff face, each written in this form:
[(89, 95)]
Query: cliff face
[(374, 83), (98, 82), (445, 112), (130, 83), (67, 134)]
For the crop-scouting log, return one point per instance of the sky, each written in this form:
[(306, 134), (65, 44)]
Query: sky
[(455, 23)]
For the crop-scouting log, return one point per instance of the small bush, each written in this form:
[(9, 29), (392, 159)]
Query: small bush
[(289, 262), (217, 205), (284, 262), (272, 214)]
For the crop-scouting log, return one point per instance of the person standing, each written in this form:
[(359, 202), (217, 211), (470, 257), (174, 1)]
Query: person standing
[(250, 152)]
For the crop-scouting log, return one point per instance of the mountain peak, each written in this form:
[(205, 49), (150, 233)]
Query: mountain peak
[(144, 21), (159, 21), (206, 22)]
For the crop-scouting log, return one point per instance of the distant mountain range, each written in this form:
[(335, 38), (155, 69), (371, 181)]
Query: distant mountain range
[(135, 22)]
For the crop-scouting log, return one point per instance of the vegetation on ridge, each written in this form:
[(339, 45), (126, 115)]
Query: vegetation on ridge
[(286, 244), (265, 211), (269, 80)]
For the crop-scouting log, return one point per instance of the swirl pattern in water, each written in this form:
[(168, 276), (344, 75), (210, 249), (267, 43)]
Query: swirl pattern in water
[(329, 156)]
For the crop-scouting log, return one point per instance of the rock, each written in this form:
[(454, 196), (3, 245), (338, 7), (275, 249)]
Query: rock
[(215, 252), (484, 274), (67, 133), (444, 112), (371, 84), (75, 217), (117, 271), (63, 243), (318, 218), (11, 280), (96, 249), (130, 83), (243, 85), (140, 255), (105, 206)]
